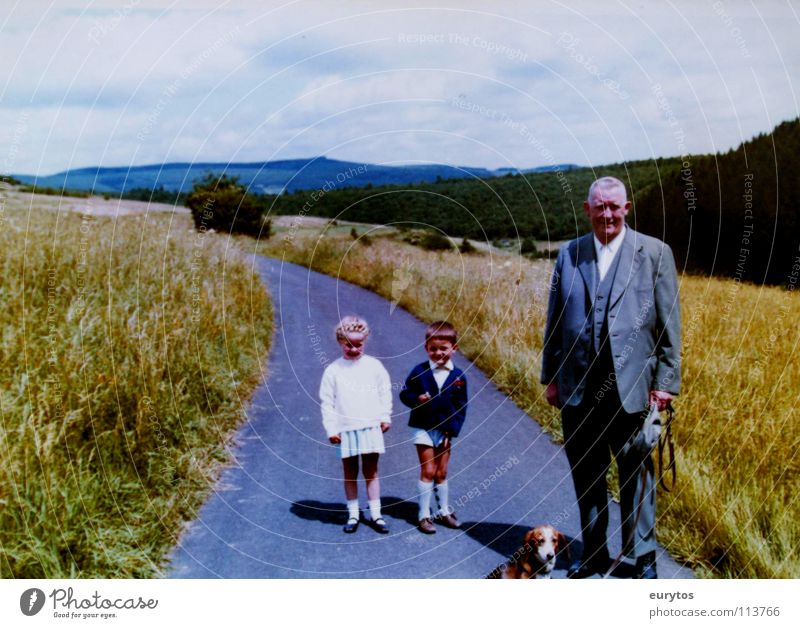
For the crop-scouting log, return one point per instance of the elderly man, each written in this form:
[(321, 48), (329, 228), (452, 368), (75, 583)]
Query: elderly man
[(611, 349)]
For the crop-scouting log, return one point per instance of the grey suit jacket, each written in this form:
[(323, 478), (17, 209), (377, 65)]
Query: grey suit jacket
[(644, 324)]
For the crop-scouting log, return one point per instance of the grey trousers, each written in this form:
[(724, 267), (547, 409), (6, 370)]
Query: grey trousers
[(593, 431)]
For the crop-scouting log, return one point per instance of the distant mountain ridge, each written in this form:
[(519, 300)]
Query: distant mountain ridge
[(269, 177)]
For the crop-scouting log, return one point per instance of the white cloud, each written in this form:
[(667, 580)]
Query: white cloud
[(356, 80)]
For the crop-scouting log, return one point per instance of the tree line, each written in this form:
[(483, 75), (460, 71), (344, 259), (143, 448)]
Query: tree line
[(542, 206), (733, 214)]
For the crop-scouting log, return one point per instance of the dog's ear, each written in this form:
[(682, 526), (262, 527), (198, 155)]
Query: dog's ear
[(563, 544), (528, 543), (529, 537)]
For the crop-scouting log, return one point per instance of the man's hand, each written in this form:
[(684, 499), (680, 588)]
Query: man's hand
[(385, 427), (423, 398), (551, 394), (661, 398), (335, 440)]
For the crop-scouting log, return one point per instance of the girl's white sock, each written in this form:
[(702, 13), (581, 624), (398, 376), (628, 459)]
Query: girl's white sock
[(425, 491), (352, 509), (375, 509)]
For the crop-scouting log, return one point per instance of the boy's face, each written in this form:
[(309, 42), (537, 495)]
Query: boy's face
[(440, 351), (353, 346)]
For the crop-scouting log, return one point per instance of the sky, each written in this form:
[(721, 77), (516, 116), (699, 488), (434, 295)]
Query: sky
[(490, 84)]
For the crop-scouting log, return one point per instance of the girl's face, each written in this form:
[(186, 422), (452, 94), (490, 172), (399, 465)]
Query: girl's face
[(353, 345)]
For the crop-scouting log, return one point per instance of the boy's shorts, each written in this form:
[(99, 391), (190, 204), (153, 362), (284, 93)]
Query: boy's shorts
[(429, 438)]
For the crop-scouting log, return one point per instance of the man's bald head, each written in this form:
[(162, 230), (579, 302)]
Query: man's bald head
[(606, 183)]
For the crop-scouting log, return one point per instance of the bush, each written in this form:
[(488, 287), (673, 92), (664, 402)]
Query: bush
[(528, 247), (435, 241), (223, 204), (466, 247), (428, 240)]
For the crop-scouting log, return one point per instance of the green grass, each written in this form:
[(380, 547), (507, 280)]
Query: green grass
[(735, 511), (128, 348)]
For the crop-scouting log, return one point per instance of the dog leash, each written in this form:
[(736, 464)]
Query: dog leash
[(664, 442)]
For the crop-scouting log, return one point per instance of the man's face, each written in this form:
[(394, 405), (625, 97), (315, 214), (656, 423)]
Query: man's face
[(440, 351), (607, 208)]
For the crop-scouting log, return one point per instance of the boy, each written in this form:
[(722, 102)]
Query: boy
[(436, 392)]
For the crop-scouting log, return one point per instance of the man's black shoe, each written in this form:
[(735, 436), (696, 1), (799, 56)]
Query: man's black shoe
[(646, 567), (579, 570)]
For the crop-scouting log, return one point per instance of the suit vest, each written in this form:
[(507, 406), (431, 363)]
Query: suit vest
[(602, 358)]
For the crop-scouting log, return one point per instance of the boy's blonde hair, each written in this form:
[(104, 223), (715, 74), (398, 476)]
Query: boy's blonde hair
[(351, 325), (441, 330)]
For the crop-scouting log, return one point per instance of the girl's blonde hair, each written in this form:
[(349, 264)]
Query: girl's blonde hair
[(351, 325)]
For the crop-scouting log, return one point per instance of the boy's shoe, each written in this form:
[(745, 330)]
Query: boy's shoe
[(379, 525), (449, 521), (426, 526), (351, 525)]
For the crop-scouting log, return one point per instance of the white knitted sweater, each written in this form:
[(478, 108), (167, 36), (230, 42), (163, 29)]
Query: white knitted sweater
[(355, 394)]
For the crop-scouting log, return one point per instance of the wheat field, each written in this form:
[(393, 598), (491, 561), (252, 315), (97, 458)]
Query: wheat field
[(735, 511), (129, 345)]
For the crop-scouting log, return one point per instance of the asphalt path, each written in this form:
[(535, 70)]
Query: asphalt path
[(278, 509)]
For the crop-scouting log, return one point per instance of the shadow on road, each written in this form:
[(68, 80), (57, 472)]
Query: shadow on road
[(403, 509), (325, 512), (335, 513)]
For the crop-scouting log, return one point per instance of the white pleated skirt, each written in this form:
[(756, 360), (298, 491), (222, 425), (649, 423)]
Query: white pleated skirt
[(365, 441)]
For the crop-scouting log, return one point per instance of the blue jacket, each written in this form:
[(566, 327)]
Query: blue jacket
[(446, 410)]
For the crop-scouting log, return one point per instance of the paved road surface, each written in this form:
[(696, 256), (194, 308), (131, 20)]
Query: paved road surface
[(277, 511)]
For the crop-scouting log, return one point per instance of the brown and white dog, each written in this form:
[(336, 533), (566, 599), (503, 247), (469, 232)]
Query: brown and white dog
[(537, 556)]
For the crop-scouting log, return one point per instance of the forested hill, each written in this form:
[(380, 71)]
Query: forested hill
[(545, 205), (269, 177), (733, 214)]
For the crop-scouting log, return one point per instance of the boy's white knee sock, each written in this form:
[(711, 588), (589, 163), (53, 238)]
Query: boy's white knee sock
[(442, 498), (352, 509), (425, 491)]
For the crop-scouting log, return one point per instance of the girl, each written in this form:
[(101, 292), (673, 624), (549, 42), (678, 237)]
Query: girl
[(356, 410)]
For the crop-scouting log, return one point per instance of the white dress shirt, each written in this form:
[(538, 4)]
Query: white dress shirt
[(441, 373), (606, 252)]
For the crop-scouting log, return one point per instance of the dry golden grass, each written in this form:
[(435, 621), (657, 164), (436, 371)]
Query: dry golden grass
[(128, 347), (735, 511)]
